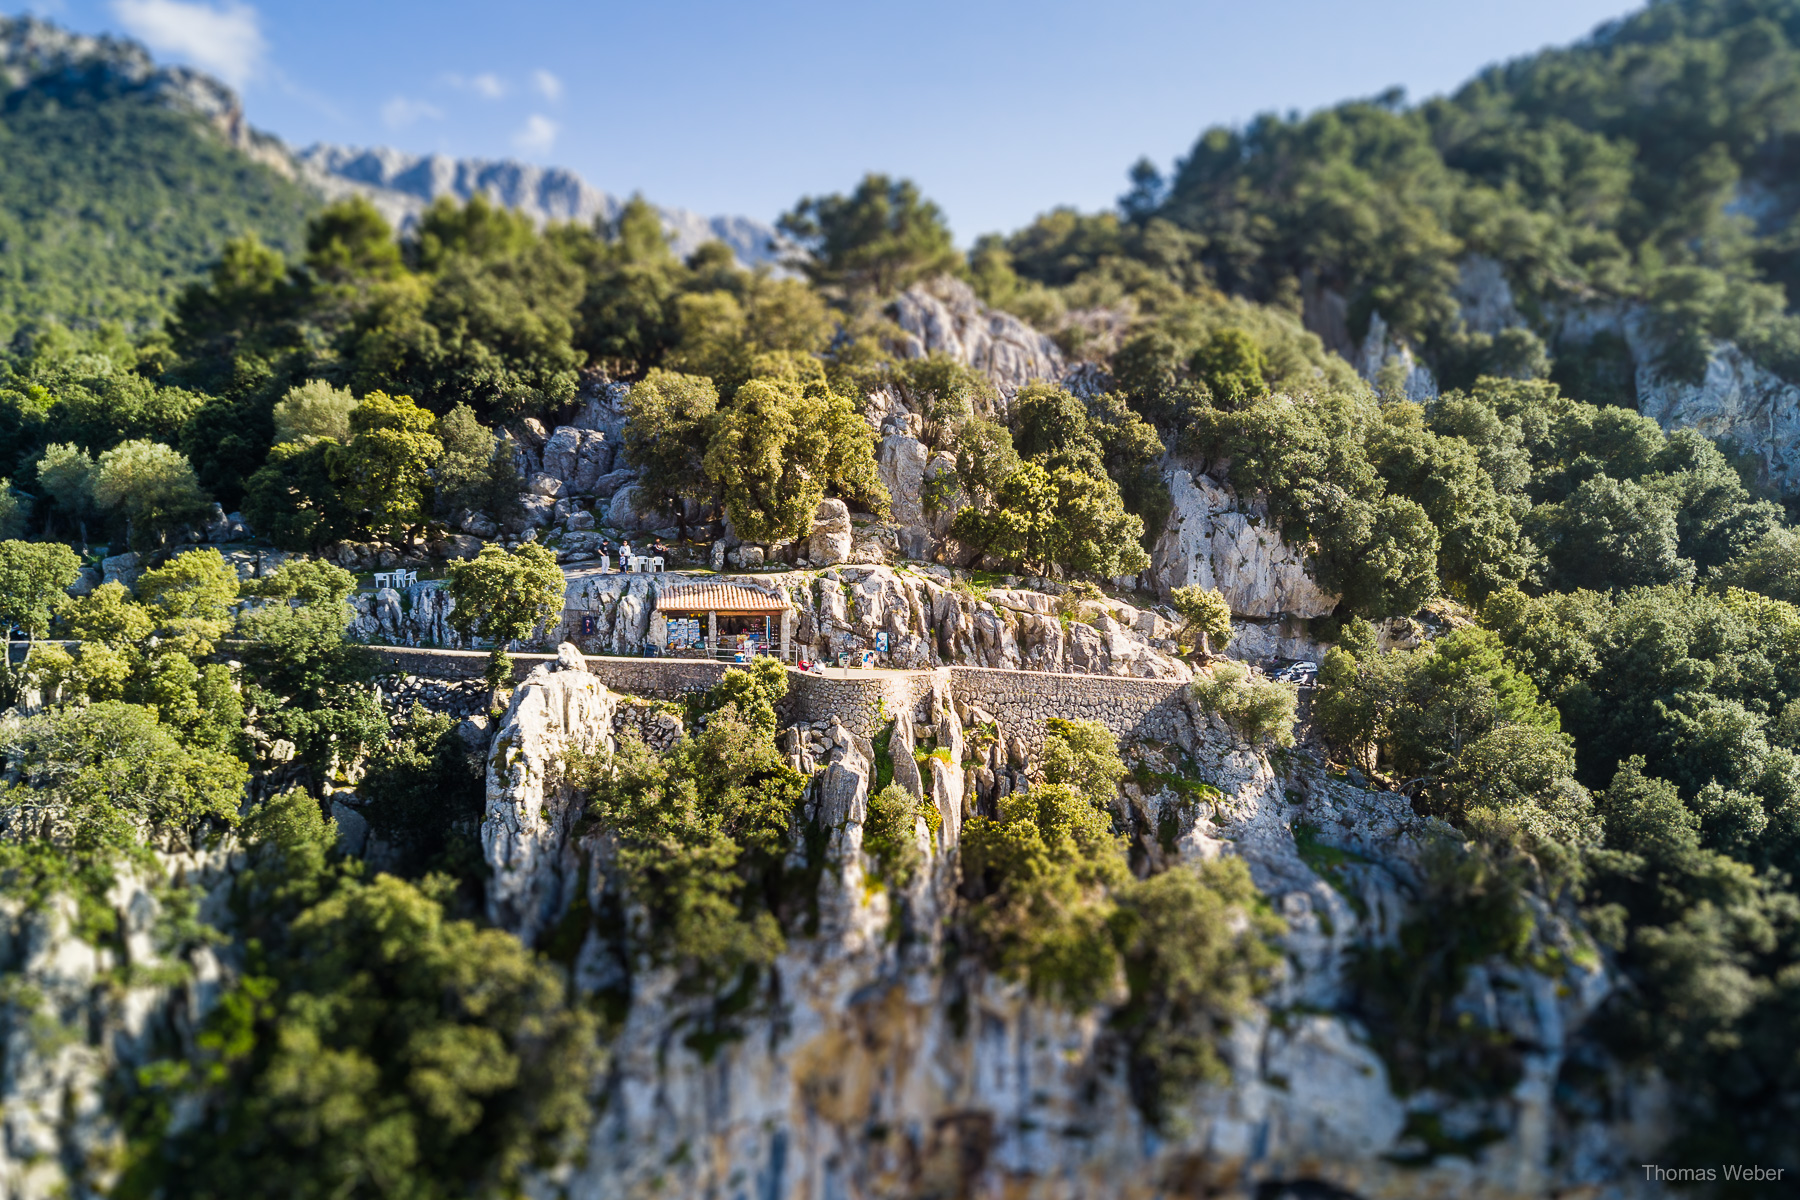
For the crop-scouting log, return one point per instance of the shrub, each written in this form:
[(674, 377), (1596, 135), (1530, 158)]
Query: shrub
[(890, 836), (1260, 709), (1196, 948)]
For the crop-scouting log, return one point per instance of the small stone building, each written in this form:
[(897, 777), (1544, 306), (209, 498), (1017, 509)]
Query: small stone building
[(722, 616)]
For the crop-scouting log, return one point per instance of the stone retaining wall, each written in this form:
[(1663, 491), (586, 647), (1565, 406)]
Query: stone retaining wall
[(862, 703), (1022, 701)]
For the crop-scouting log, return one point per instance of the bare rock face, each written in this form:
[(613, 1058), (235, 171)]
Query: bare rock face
[(535, 513), (901, 460), (577, 457), (1210, 542), (987, 1091), (831, 540), (630, 509), (421, 619), (944, 316), (530, 809), (122, 568), (1735, 400), (608, 485), (1379, 348), (479, 524)]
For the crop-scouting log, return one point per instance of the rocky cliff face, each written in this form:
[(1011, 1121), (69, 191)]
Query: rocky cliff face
[(1737, 401), (927, 620), (1211, 542), (943, 316), (525, 833), (73, 1013), (869, 1066)]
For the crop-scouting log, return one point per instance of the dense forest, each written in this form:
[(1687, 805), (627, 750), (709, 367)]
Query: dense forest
[(1651, 163), (112, 201), (1611, 723)]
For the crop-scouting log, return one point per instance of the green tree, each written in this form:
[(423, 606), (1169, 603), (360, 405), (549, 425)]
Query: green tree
[(478, 229), (32, 578), (102, 784), (1231, 365), (248, 292), (313, 411), (1043, 869), (783, 440), (385, 467), (503, 597), (477, 470), (152, 487), (666, 432), (875, 241), (1196, 949), (66, 474), (1064, 516), (190, 599), (309, 685), (383, 1049), (1611, 533), (350, 242), (1205, 615), (294, 500), (1260, 709), (702, 832)]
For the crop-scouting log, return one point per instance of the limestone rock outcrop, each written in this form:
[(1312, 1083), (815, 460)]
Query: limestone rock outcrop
[(1736, 400), (1210, 541), (577, 458), (866, 1068), (943, 316), (831, 541), (529, 808)]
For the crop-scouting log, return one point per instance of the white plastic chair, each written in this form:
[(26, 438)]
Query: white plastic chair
[(656, 565)]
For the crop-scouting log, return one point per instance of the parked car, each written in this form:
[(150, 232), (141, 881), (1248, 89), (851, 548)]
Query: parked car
[(1301, 672)]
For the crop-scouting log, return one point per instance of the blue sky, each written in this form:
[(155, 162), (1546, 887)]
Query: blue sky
[(999, 111)]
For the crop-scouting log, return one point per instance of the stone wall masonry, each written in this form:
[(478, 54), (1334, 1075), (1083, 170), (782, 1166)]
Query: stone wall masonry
[(1022, 701), (862, 703)]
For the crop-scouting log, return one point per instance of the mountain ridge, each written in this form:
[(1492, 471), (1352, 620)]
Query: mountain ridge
[(402, 184), (40, 56)]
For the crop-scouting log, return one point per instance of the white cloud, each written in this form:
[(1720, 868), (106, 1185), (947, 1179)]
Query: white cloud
[(548, 85), (402, 111), (539, 133), (225, 40), (487, 85)]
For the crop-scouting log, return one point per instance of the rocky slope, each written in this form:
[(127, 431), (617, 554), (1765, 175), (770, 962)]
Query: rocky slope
[(869, 1067), (873, 1065)]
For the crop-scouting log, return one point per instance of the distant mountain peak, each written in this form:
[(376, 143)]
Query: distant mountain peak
[(402, 184)]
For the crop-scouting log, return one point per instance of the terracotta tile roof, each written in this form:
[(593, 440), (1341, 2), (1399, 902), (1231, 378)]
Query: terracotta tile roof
[(719, 597)]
